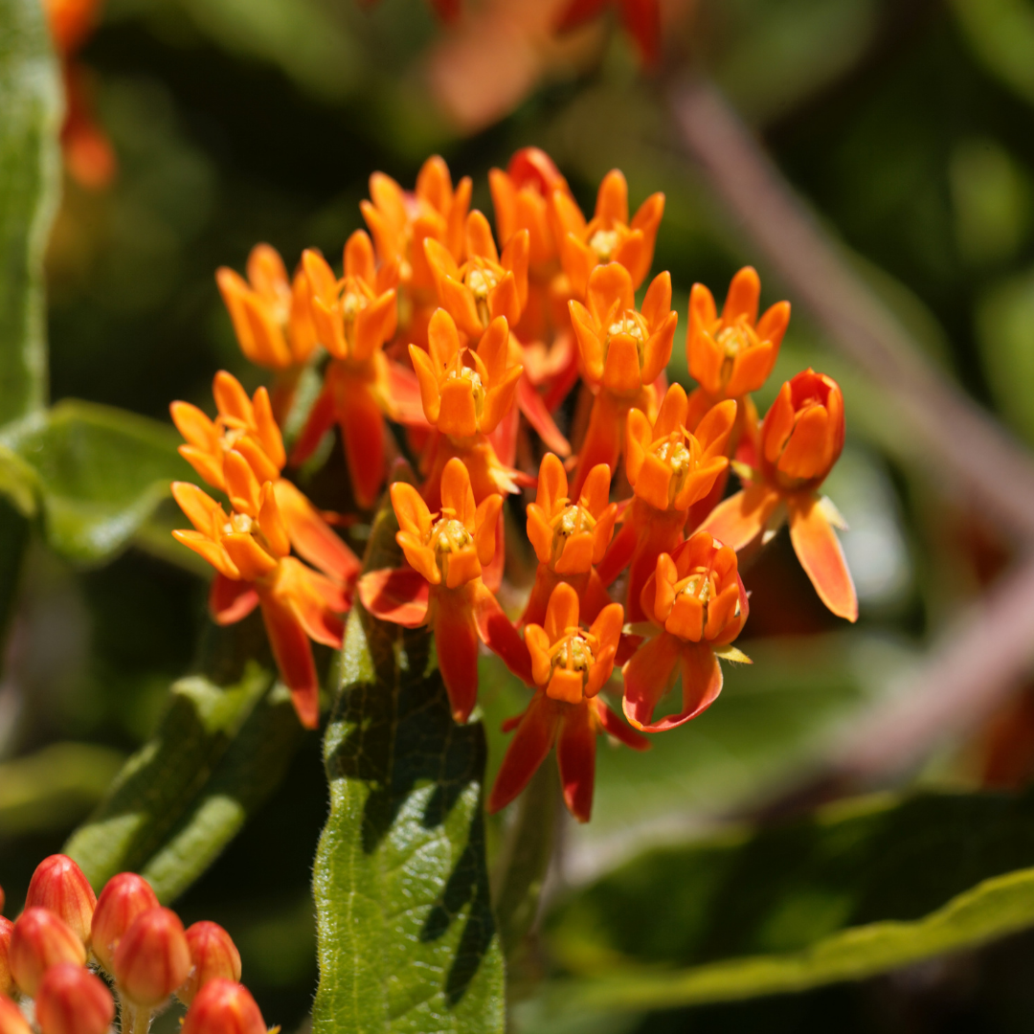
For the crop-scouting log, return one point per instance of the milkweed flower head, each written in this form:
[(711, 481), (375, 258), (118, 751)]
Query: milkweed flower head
[(141, 947), (456, 348)]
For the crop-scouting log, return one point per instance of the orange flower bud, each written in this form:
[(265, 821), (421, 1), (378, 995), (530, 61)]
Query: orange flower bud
[(6, 983), (124, 897), (39, 940), (733, 354), (11, 1019), (214, 955), (153, 958), (58, 884), (803, 433), (223, 1007), (71, 1000), (521, 197)]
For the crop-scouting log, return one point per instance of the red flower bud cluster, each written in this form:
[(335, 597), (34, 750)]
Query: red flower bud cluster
[(460, 347), (51, 952)]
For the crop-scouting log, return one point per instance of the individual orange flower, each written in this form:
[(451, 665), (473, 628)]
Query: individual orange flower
[(466, 392), (271, 318), (487, 285), (353, 318), (801, 438), (733, 354), (443, 588), (247, 427), (250, 550), (400, 221), (608, 236), (569, 536), (641, 19), (623, 351), (697, 604), (669, 469), (569, 666)]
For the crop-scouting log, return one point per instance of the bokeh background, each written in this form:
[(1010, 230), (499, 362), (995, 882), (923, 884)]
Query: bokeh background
[(905, 126)]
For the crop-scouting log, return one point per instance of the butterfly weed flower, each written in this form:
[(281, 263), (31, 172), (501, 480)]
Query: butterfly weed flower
[(570, 665)]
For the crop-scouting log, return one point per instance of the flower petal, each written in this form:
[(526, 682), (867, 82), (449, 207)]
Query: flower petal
[(818, 549), (648, 676), (531, 743), (312, 538), (742, 299), (294, 659), (498, 634), (576, 756), (230, 601), (456, 640), (396, 594), (738, 520)]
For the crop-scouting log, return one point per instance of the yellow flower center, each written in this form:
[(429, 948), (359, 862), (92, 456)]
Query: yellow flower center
[(240, 524), (571, 520), (678, 455), (629, 324), (230, 437), (482, 280), (447, 536), (733, 340), (574, 651), (605, 243)]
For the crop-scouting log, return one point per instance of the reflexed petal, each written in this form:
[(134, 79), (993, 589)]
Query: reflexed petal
[(534, 408), (456, 640), (399, 595), (362, 429), (612, 725), (230, 600), (738, 520), (648, 676), (576, 755), (320, 421), (498, 634), (530, 745), (298, 587), (818, 549), (294, 659), (314, 539)]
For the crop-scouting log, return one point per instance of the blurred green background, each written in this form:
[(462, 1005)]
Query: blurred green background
[(908, 126)]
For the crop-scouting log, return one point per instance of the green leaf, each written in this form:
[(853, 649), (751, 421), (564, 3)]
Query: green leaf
[(221, 748), (54, 787), (858, 889), (99, 473), (407, 941), (30, 99)]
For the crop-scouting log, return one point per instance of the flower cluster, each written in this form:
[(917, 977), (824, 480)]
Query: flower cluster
[(51, 955), (461, 347)]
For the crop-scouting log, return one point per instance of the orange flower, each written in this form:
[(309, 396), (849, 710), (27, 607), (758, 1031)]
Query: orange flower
[(250, 550), (608, 236), (270, 314), (71, 22), (487, 285), (801, 438), (246, 426), (732, 355), (641, 19), (697, 603), (623, 352), (447, 551), (354, 317), (466, 392), (569, 666), (669, 470), (521, 197), (400, 222), (569, 536)]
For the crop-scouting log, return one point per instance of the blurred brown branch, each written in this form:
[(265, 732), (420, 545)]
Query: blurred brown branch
[(979, 460)]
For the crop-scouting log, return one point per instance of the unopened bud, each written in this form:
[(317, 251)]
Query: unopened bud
[(6, 926), (214, 956), (11, 1019), (124, 898), (40, 940), (223, 1007), (153, 958), (71, 1000), (59, 886)]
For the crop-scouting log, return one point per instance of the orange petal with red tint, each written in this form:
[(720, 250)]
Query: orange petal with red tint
[(818, 549), (313, 539), (498, 634), (456, 640), (294, 659), (230, 601), (250, 559), (576, 756), (612, 725), (648, 676), (534, 739), (362, 428), (398, 595), (738, 520)]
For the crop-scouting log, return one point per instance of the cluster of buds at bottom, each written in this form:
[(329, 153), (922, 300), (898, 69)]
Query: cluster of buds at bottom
[(55, 955)]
